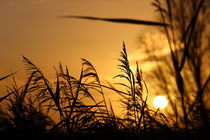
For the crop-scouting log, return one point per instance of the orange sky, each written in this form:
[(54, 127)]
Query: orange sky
[(31, 28)]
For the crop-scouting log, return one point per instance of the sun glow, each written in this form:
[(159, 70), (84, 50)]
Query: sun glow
[(160, 102)]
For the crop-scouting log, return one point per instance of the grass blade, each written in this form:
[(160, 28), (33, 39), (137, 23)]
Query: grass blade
[(120, 20), (7, 76)]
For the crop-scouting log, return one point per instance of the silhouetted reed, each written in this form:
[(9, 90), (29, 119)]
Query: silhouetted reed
[(188, 54), (28, 109), (81, 110)]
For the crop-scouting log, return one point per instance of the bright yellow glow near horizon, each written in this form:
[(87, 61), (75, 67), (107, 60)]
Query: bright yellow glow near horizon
[(160, 102)]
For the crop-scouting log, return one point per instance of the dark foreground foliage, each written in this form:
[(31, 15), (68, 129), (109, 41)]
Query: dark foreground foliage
[(26, 111), (77, 108)]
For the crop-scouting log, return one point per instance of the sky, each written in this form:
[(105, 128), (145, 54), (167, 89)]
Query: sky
[(32, 28)]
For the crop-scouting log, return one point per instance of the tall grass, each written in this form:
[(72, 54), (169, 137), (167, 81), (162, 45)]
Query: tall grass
[(186, 31), (80, 113), (29, 109)]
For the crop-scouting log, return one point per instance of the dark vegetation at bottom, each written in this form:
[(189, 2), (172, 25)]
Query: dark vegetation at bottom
[(108, 133), (26, 111)]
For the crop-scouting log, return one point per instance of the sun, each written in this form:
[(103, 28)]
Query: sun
[(160, 102)]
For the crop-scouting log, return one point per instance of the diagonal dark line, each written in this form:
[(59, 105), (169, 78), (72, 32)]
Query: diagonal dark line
[(193, 19), (4, 97), (120, 20), (2, 78)]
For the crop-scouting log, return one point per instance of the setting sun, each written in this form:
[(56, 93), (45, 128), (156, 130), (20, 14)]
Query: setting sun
[(160, 102)]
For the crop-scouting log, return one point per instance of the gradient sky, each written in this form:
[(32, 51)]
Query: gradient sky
[(32, 28)]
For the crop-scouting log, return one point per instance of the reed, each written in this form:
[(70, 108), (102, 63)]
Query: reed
[(27, 110)]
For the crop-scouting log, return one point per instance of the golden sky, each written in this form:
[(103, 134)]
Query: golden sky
[(31, 28)]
